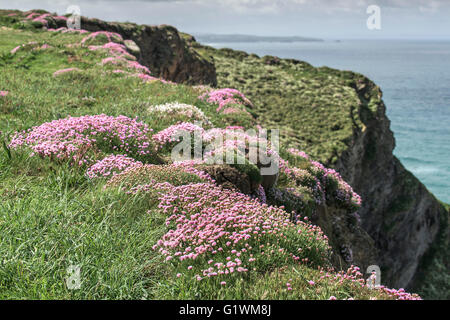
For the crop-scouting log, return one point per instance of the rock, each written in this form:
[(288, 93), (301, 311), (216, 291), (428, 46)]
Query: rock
[(351, 244), (398, 212), (230, 178)]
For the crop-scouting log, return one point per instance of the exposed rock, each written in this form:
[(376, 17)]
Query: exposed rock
[(398, 212), (133, 48), (351, 244)]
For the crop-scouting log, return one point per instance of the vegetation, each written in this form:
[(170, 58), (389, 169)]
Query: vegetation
[(84, 183)]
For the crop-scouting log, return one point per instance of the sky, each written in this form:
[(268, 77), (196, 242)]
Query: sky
[(326, 19)]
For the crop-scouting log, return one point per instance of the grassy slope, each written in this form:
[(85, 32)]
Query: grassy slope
[(319, 110), (51, 216)]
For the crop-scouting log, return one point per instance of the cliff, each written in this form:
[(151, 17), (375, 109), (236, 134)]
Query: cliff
[(340, 118)]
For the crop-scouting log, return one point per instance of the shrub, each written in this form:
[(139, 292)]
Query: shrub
[(218, 233), (81, 139), (176, 175)]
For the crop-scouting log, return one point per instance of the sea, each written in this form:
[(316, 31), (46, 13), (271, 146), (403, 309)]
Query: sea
[(414, 76)]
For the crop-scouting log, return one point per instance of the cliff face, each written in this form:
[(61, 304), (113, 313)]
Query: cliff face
[(163, 49), (399, 213)]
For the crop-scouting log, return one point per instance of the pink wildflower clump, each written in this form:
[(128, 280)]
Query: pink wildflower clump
[(325, 184), (32, 15), (42, 19), (63, 71), (175, 133), (298, 153), (231, 110), (110, 36), (60, 18), (134, 65), (137, 66), (224, 97), (29, 45), (340, 190), (111, 165), (221, 232), (3, 93), (77, 138), (353, 277), (115, 49)]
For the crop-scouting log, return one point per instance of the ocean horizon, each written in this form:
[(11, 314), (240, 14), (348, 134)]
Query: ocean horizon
[(416, 91)]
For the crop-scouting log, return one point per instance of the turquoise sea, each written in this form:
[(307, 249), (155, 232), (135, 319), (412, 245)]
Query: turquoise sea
[(415, 79)]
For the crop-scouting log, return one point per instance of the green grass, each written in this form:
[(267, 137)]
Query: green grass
[(317, 109)]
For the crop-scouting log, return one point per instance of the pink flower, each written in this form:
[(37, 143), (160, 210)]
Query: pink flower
[(224, 97), (3, 93), (111, 165), (311, 282)]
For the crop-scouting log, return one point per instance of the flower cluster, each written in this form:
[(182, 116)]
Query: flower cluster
[(325, 184), (44, 18), (111, 165), (115, 49), (103, 36), (298, 153), (130, 64), (73, 138), (225, 97), (29, 45), (224, 232), (3, 93), (355, 277)]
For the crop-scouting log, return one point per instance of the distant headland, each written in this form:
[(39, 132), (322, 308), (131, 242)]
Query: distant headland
[(211, 38)]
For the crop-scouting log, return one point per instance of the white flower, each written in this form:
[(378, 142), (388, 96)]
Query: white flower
[(175, 108)]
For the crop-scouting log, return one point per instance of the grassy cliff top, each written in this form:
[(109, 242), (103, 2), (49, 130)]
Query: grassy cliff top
[(317, 109)]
